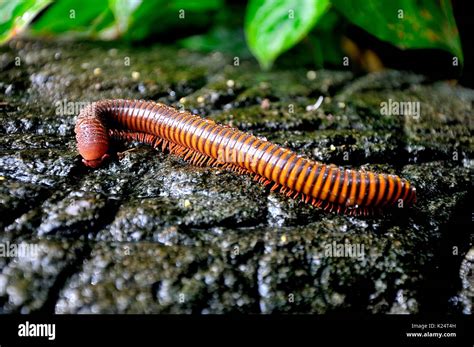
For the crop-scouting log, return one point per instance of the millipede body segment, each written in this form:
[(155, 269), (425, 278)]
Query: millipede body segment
[(204, 142)]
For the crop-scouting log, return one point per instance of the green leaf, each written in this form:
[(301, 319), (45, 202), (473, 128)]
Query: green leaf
[(196, 5), (123, 9), (83, 16), (406, 23), (128, 19), (161, 16), (272, 27), (15, 15)]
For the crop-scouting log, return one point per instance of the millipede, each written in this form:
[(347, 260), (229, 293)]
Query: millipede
[(205, 142)]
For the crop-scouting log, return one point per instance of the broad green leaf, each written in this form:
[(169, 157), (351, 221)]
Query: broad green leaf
[(15, 15), (195, 5), (129, 19), (84, 16), (151, 17), (122, 11), (272, 27), (162, 16), (406, 23)]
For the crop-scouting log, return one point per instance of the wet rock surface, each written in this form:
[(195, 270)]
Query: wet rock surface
[(150, 233)]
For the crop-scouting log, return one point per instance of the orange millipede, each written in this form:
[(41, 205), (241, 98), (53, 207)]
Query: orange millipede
[(204, 142)]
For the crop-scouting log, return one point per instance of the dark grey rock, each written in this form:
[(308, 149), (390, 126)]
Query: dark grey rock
[(148, 232)]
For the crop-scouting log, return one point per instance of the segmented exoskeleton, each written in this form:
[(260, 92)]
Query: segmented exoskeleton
[(204, 142)]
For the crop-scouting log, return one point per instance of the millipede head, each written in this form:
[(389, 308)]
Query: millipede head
[(93, 152), (95, 163), (92, 139)]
